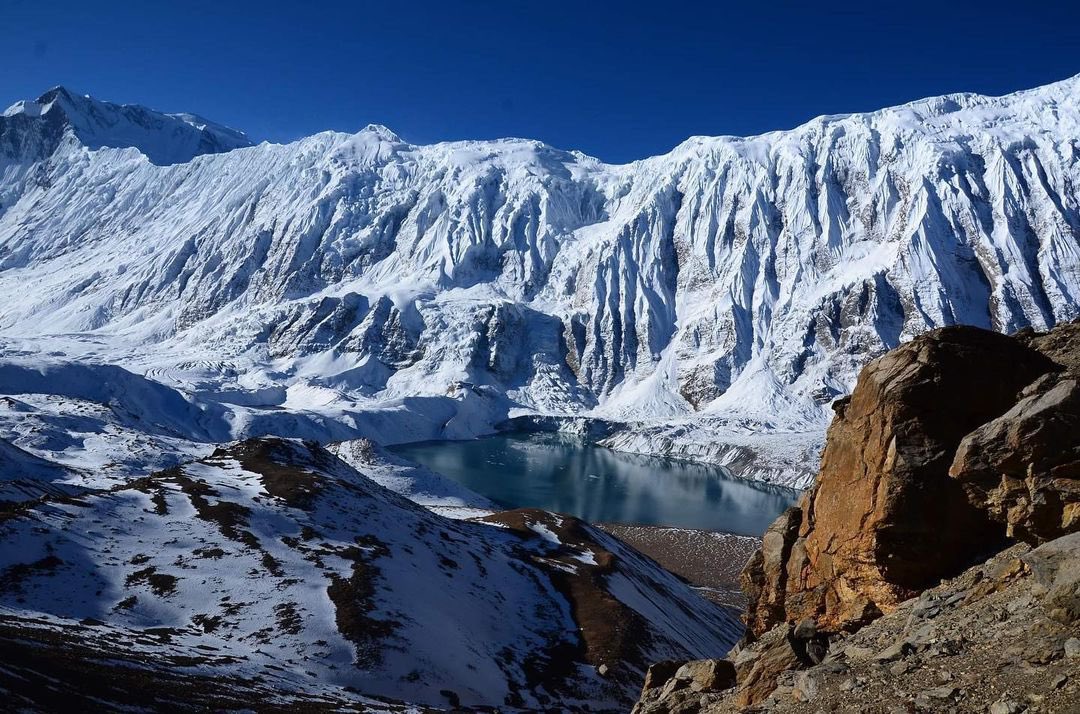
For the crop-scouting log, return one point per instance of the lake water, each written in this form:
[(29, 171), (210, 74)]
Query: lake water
[(561, 473)]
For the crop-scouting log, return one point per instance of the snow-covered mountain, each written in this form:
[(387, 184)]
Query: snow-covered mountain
[(34, 129), (271, 574), (713, 300)]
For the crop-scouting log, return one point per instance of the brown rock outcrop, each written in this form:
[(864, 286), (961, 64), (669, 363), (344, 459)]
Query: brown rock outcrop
[(947, 446), (758, 668), (1023, 468), (764, 578), (884, 519)]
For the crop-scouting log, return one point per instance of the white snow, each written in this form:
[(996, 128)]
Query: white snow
[(212, 550), (714, 300)]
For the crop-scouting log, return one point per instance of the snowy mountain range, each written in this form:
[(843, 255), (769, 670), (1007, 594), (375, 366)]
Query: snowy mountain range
[(711, 302)]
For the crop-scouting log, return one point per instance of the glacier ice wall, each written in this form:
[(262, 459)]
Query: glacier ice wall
[(716, 298)]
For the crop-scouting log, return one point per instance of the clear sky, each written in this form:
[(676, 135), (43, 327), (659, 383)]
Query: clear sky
[(617, 80)]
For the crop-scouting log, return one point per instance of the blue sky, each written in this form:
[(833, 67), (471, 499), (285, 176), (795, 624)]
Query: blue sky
[(616, 80)]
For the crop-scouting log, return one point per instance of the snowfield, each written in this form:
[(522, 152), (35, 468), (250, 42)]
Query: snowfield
[(714, 300), (275, 561)]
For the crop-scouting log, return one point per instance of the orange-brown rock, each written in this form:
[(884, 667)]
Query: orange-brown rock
[(757, 668), (884, 519), (764, 579), (1023, 468)]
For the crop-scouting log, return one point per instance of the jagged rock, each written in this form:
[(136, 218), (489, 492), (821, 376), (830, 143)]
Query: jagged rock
[(1059, 344), (1055, 567), (933, 697), (765, 576), (1023, 468), (870, 532), (806, 687), (757, 670), (900, 668), (893, 652), (659, 673), (708, 674), (1006, 706)]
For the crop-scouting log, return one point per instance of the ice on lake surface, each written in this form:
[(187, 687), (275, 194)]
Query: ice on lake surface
[(563, 474)]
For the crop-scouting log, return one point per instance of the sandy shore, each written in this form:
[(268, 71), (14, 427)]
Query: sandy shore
[(708, 560)]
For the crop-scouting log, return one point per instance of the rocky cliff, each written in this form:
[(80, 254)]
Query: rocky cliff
[(957, 447)]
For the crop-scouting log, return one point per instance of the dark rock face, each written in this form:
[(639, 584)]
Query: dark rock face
[(870, 533), (1023, 468)]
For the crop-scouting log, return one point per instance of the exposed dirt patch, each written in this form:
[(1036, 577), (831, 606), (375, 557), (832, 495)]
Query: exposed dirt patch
[(127, 603), (272, 565), (152, 487), (208, 623), (354, 601), (610, 632), (15, 576), (281, 479), (162, 584), (288, 617), (231, 518), (213, 553)]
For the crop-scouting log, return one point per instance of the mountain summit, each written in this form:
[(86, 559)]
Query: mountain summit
[(711, 302), (162, 138)]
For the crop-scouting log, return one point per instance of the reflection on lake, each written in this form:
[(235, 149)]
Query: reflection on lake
[(560, 473)]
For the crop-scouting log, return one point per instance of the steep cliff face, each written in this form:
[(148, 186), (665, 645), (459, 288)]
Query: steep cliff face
[(874, 587), (960, 426), (732, 287)]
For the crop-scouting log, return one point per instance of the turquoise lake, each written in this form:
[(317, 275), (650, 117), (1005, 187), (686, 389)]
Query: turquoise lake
[(563, 474)]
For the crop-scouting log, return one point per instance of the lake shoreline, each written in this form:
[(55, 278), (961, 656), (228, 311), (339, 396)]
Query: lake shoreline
[(709, 560), (563, 474)]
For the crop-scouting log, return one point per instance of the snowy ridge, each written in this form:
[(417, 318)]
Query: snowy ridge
[(273, 561), (715, 299), (162, 138)]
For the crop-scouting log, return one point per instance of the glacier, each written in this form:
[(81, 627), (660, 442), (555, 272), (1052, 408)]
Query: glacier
[(709, 303)]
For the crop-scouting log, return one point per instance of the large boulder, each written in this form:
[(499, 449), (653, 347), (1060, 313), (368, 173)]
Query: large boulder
[(758, 668), (1055, 567), (884, 519), (1023, 468)]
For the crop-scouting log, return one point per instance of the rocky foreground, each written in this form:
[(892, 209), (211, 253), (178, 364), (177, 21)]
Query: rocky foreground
[(935, 564)]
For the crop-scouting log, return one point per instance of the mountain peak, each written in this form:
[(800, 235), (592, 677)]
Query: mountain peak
[(381, 131), (57, 92), (162, 138)]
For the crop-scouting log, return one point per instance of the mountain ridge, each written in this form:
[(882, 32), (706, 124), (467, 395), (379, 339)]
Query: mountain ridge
[(714, 299)]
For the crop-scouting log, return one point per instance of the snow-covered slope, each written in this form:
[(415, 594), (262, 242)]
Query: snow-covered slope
[(163, 138), (715, 299), (275, 562)]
